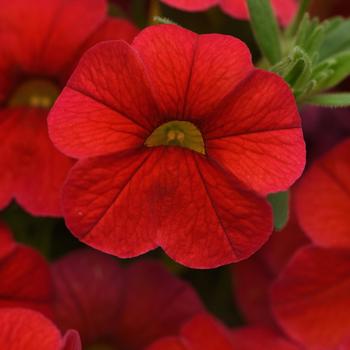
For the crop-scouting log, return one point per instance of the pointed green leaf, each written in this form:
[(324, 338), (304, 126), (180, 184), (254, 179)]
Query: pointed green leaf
[(265, 28), (337, 39), (340, 65), (330, 100)]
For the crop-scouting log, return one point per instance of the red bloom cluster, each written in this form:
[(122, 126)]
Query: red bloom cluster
[(303, 290), (40, 45), (174, 142), (143, 299), (285, 9), (311, 297)]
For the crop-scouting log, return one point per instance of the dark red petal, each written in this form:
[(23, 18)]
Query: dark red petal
[(204, 332), (109, 29), (282, 245), (171, 197), (254, 338), (191, 73), (46, 34), (323, 199), (22, 329), (88, 287), (107, 105), (113, 29), (191, 5), (284, 9), (256, 134), (7, 244), (251, 282), (71, 341), (252, 278), (155, 304), (170, 343), (25, 281), (8, 160), (311, 300), (36, 168)]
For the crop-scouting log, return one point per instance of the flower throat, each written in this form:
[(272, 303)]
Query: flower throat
[(36, 93), (177, 133)]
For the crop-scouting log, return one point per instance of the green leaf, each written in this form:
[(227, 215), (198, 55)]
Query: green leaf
[(265, 28), (280, 206), (337, 39), (330, 100), (340, 66)]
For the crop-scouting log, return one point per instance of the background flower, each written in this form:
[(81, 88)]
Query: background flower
[(41, 45)]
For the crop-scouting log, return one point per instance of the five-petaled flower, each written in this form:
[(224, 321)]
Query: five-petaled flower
[(179, 138), (41, 42), (119, 308), (284, 9)]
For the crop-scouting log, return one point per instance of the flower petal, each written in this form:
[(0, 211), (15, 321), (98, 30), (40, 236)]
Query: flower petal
[(169, 343), (36, 169), (7, 244), (252, 338), (22, 329), (79, 278), (323, 199), (156, 304), (191, 73), (107, 105), (310, 299), (51, 30), (25, 281), (110, 29), (191, 5), (253, 277), (251, 283), (167, 196), (256, 134)]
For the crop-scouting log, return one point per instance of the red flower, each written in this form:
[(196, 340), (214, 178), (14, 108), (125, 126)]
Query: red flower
[(122, 308), (285, 9), (204, 332), (22, 329), (323, 201), (25, 279), (40, 45), (173, 135), (311, 300), (252, 278)]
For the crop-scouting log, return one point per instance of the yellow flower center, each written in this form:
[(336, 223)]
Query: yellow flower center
[(37, 93), (177, 133)]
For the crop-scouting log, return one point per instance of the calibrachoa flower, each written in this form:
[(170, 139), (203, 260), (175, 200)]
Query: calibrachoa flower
[(22, 329), (311, 297), (175, 135), (323, 201), (311, 300), (285, 9), (119, 308), (25, 279), (40, 45), (252, 278), (204, 332)]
